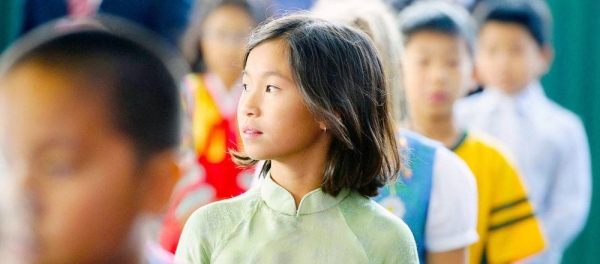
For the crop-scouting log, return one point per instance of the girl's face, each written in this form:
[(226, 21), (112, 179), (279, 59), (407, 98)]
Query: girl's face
[(274, 121), (225, 32), (76, 173)]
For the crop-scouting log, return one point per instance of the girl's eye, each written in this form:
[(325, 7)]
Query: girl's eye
[(271, 88), (245, 87)]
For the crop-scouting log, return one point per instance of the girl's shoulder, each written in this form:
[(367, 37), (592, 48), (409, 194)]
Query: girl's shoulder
[(376, 226), (372, 217), (240, 203), (225, 214)]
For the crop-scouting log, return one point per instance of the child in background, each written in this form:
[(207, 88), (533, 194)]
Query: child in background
[(514, 51), (438, 69), (315, 108), (442, 220), (373, 18), (90, 126), (214, 46)]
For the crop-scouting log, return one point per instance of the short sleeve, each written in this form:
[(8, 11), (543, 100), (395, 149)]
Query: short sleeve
[(452, 214), (514, 231)]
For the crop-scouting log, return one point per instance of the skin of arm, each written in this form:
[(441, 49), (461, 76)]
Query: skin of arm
[(456, 256)]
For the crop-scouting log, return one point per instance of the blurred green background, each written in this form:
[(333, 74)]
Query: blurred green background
[(573, 82), (10, 21)]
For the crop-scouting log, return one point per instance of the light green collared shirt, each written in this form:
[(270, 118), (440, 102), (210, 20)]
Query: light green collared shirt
[(263, 226)]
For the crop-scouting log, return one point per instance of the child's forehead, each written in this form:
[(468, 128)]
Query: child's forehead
[(32, 88), (272, 48), (495, 27), (41, 80), (434, 38), (46, 106)]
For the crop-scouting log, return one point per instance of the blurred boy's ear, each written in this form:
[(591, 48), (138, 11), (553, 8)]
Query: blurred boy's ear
[(547, 57), (161, 174), (475, 82)]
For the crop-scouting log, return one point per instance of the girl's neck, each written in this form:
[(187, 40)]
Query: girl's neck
[(298, 180), (443, 128), (303, 172)]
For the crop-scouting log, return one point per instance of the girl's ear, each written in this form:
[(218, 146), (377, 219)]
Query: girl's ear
[(161, 174), (323, 126)]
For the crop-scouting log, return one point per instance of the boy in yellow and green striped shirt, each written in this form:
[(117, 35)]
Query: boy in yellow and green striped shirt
[(437, 68)]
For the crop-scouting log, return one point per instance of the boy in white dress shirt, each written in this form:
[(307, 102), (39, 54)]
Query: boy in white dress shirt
[(549, 143)]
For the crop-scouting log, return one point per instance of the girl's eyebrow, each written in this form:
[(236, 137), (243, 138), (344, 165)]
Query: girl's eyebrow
[(268, 74)]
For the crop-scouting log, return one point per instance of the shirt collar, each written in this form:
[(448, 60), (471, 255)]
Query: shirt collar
[(521, 101), (279, 199)]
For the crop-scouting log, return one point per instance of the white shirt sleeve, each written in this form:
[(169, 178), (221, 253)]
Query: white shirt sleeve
[(452, 214)]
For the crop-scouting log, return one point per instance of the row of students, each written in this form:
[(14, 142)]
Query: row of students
[(443, 221), (439, 43), (297, 157), (437, 69), (512, 51), (90, 123), (502, 214)]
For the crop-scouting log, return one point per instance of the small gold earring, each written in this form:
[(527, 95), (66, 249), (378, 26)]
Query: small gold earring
[(325, 130)]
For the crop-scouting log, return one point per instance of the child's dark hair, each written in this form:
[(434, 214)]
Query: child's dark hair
[(342, 82), (437, 16), (190, 44), (533, 15), (136, 77)]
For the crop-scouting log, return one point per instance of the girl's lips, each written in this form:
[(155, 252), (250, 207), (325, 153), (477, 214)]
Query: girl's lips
[(249, 132)]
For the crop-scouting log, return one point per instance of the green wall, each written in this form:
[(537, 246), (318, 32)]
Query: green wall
[(10, 21), (574, 82)]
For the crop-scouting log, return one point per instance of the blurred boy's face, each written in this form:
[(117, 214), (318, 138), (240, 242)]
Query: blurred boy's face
[(76, 172), (508, 57), (225, 32), (437, 71)]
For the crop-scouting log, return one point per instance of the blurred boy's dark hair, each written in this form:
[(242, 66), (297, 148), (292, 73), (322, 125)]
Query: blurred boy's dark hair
[(437, 16), (137, 74), (533, 15)]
